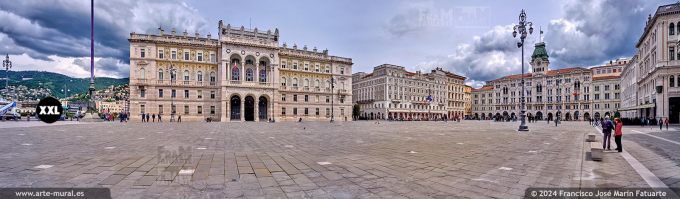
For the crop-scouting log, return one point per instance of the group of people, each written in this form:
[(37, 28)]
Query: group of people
[(146, 117), (110, 117), (607, 127)]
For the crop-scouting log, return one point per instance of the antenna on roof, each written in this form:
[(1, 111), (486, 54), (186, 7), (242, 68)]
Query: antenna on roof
[(250, 23)]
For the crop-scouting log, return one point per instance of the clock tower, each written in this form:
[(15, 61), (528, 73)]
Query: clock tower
[(539, 59)]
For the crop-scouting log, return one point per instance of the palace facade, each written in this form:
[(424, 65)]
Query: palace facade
[(391, 92), (242, 75), (651, 81), (575, 93)]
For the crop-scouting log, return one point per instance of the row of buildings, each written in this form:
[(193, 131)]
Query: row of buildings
[(645, 86), (246, 75)]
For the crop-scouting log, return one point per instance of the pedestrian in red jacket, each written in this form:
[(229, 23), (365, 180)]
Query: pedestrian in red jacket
[(618, 132)]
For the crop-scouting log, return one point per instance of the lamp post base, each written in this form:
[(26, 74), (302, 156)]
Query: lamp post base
[(523, 128)]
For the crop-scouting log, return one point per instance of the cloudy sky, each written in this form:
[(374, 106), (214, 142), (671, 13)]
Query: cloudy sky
[(472, 38)]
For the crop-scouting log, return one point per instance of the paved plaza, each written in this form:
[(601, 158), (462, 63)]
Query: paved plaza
[(470, 159)]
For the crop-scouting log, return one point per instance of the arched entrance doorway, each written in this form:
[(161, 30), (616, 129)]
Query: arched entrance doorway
[(586, 116), (262, 108), (489, 116), (576, 115), (235, 107), (249, 109), (512, 116), (597, 115), (539, 115), (567, 116), (550, 116)]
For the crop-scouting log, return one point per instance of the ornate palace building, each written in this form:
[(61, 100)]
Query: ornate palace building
[(391, 92), (650, 81), (242, 75), (576, 93)]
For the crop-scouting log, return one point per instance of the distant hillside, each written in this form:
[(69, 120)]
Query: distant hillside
[(56, 82)]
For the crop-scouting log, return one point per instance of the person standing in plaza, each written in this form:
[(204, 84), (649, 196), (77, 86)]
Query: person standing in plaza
[(660, 124), (147, 117), (179, 118), (666, 121), (153, 117), (618, 133), (159, 118), (607, 128), (143, 117)]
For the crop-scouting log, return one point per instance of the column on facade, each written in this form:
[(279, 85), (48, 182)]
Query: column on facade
[(225, 111), (256, 77), (257, 108), (243, 108), (242, 74), (227, 72)]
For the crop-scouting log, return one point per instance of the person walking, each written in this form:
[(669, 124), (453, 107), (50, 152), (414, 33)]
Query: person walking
[(666, 121), (179, 118), (618, 133), (607, 128), (159, 118), (660, 121), (147, 117), (143, 117), (153, 117)]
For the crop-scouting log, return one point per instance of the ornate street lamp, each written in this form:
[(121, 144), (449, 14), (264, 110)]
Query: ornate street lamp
[(332, 96), (522, 30), (7, 64)]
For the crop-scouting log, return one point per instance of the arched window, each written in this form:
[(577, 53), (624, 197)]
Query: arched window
[(306, 82), (671, 82), (142, 74), (212, 77), (283, 81), (186, 75), (671, 29), (199, 76), (263, 75), (249, 75), (235, 73), (160, 74), (318, 83), (295, 82)]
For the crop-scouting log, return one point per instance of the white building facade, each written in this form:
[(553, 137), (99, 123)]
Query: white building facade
[(234, 77), (391, 92), (656, 68)]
